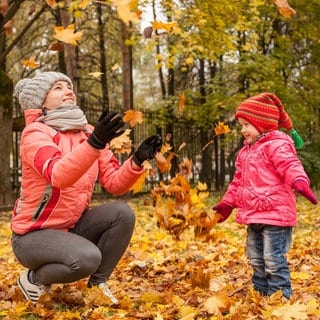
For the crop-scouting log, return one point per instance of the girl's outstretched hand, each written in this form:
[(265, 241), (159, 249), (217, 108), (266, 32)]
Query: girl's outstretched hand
[(302, 187), (224, 210)]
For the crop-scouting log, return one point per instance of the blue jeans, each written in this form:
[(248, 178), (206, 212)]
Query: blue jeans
[(266, 249)]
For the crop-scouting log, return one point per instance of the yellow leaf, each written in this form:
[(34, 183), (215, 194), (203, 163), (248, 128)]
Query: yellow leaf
[(127, 10), (187, 313), (300, 275), (122, 144), (133, 117), (219, 302), (202, 186), (96, 74), (67, 35), (115, 67), (165, 147), (291, 311)]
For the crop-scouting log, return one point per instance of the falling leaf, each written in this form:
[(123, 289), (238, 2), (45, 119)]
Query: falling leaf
[(182, 102), (202, 186), (83, 4), (138, 185), (165, 148), (56, 46), (284, 8), (68, 34), (52, 3), (207, 145), (8, 27), (115, 67), (122, 144), (133, 117), (30, 63), (127, 10), (185, 167), (221, 128), (167, 26), (96, 74), (182, 145), (164, 164), (147, 32)]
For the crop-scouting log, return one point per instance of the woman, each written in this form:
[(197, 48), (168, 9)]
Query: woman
[(56, 235)]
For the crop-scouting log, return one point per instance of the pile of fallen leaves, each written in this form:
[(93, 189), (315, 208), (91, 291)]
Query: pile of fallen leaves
[(160, 277)]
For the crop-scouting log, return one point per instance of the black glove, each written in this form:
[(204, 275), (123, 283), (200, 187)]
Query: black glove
[(107, 128), (147, 149)]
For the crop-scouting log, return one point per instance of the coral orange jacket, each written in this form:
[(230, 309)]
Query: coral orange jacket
[(59, 172)]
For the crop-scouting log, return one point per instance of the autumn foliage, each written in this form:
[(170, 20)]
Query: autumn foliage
[(161, 277)]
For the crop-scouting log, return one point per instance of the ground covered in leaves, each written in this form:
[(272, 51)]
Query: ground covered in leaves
[(163, 278)]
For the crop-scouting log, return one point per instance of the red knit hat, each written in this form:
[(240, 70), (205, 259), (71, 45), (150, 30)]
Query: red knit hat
[(265, 111)]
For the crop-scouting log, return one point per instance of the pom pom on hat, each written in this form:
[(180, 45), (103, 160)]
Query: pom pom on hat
[(266, 112), (31, 92)]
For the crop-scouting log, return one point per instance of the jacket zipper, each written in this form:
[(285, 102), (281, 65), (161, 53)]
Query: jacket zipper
[(43, 202)]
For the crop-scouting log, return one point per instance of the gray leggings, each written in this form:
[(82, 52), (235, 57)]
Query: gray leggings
[(93, 248)]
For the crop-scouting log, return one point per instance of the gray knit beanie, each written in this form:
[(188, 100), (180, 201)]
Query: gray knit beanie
[(31, 92)]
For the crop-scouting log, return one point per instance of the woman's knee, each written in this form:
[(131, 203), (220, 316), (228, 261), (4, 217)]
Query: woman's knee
[(88, 261), (124, 212)]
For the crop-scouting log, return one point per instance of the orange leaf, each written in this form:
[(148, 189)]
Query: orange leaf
[(221, 128), (30, 63), (219, 302), (68, 34), (164, 164), (284, 8), (137, 187), (133, 117), (52, 3), (8, 27), (182, 102)]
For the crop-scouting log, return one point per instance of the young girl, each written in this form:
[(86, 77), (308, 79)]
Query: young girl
[(267, 172), (56, 235)]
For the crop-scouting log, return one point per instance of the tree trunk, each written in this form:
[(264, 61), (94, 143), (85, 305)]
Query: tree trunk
[(70, 55), (127, 86), (103, 64), (6, 106)]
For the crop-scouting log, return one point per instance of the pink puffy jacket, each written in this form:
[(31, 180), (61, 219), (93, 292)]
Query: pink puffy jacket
[(59, 171), (261, 188)]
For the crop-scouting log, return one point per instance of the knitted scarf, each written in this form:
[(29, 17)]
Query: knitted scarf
[(65, 117)]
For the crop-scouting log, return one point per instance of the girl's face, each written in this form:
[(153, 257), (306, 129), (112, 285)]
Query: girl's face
[(249, 131), (60, 93)]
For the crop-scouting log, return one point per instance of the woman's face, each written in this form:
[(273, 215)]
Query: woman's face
[(249, 132), (60, 94)]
